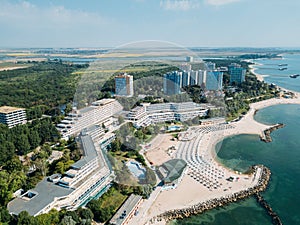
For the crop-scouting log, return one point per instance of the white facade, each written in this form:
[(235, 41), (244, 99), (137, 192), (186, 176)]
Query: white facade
[(194, 77), (12, 116), (145, 115), (97, 113), (201, 77), (86, 178), (185, 66)]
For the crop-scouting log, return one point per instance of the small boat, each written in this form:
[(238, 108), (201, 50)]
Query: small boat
[(284, 64), (294, 75), (283, 68)]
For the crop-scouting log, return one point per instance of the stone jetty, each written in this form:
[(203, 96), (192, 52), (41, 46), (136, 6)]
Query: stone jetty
[(275, 218), (261, 185), (266, 135)]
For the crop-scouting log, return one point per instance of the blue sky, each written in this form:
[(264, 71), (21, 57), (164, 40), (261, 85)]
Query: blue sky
[(109, 23)]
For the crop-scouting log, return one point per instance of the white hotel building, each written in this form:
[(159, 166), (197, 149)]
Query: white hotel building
[(99, 112), (12, 116), (88, 177), (147, 114)]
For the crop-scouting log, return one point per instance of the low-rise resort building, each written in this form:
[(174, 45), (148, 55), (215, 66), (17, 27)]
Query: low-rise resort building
[(87, 178), (142, 116), (99, 112), (171, 172)]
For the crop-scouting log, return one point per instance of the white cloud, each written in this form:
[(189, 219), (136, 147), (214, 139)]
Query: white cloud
[(179, 5), (30, 14), (220, 2)]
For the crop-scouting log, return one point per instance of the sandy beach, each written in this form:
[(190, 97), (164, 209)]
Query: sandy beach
[(190, 192), (259, 77), (204, 139)]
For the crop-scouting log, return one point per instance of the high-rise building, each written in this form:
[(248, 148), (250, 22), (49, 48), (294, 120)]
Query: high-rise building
[(214, 80), (12, 116), (210, 66), (185, 67), (194, 77), (172, 83), (189, 58), (186, 75), (124, 85), (201, 77), (237, 73)]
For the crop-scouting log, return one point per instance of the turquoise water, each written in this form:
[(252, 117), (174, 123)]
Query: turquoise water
[(281, 156), (281, 78), (136, 170)]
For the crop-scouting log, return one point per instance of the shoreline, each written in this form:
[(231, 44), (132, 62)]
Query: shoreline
[(262, 184), (189, 193), (252, 67)]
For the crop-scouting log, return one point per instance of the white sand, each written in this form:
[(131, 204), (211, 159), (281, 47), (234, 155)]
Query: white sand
[(259, 77), (158, 152)]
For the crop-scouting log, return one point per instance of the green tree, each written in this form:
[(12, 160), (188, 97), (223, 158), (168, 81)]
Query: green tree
[(5, 217), (7, 150), (60, 167), (85, 213), (5, 192), (34, 138), (120, 119), (67, 220), (25, 219), (22, 144), (73, 215)]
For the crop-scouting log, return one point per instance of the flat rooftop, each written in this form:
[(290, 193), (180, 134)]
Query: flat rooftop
[(126, 209), (9, 109), (89, 152), (96, 104), (45, 191), (103, 101)]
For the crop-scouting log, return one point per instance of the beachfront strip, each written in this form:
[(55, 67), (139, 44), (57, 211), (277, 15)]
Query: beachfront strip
[(146, 114), (262, 174), (91, 176), (198, 147), (206, 184)]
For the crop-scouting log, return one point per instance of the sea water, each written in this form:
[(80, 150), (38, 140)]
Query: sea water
[(270, 69), (282, 156)]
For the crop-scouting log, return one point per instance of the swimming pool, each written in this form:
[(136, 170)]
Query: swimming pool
[(174, 128), (136, 169)]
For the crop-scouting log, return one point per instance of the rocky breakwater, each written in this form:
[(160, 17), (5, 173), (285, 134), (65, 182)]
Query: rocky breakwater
[(275, 218), (264, 175), (266, 135)]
